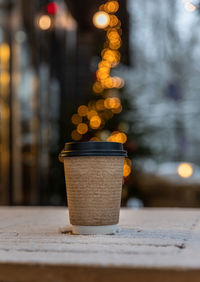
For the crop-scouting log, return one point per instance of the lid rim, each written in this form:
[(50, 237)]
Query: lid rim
[(93, 149)]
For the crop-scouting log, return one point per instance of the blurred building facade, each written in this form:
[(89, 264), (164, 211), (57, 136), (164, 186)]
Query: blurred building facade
[(47, 52)]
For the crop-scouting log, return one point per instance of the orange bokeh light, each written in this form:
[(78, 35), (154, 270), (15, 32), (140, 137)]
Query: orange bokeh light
[(82, 110), (97, 87), (118, 137), (96, 139), (113, 20), (76, 119), (126, 170), (111, 7), (82, 128), (91, 114), (100, 105), (75, 135), (95, 122)]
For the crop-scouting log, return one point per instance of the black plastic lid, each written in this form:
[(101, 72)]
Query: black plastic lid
[(92, 148)]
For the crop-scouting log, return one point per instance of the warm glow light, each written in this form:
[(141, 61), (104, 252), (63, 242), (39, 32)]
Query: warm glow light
[(107, 114), (4, 53), (76, 119), (118, 137), (91, 105), (185, 170), (118, 110), (102, 73), (104, 63), (44, 22), (91, 114), (75, 135), (189, 7), (112, 56), (112, 103), (101, 19), (128, 162), (118, 82), (96, 139), (113, 20), (100, 105), (127, 170), (82, 110), (108, 82), (95, 122), (111, 6), (4, 78), (82, 128), (97, 87)]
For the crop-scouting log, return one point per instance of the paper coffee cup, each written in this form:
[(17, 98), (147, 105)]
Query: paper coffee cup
[(93, 174)]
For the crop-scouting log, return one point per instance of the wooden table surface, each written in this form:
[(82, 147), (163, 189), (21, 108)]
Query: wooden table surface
[(157, 245)]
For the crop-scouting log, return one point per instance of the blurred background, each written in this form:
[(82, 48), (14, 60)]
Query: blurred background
[(124, 71)]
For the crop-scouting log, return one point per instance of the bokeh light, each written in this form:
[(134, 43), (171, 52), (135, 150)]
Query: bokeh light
[(4, 53), (95, 122), (82, 110), (82, 128), (4, 78), (91, 113), (44, 22), (75, 135), (111, 7), (113, 20), (100, 105), (101, 19), (96, 139), (117, 136), (127, 170), (112, 103), (118, 110), (107, 114), (185, 170), (52, 8), (97, 87), (76, 119)]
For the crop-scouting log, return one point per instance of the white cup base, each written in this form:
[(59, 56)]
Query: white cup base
[(94, 230)]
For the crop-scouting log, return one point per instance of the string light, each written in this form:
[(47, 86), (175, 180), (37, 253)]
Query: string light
[(127, 170), (91, 114), (95, 122), (44, 22), (111, 7), (101, 19), (76, 119), (98, 112), (117, 136), (82, 110), (75, 135), (82, 128)]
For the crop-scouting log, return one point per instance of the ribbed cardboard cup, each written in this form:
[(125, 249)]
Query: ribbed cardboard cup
[(94, 183)]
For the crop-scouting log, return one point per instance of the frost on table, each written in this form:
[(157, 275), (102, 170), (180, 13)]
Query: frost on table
[(150, 245)]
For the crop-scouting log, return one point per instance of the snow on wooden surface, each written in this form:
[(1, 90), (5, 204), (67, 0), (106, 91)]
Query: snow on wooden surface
[(150, 245)]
